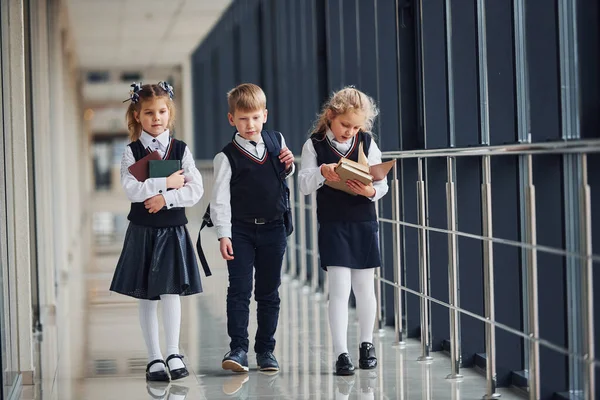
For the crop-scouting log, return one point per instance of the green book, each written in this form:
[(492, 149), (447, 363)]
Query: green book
[(163, 168)]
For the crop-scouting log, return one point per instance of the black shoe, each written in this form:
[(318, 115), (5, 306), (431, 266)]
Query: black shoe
[(267, 362), (367, 359), (236, 360), (158, 376), (343, 365), (179, 372)]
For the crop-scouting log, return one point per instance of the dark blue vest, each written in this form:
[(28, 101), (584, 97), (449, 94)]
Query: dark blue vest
[(164, 218), (333, 204), (256, 190)]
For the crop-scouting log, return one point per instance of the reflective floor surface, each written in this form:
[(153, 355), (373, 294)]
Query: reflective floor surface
[(113, 354)]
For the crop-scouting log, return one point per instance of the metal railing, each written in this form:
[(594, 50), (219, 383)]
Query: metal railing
[(306, 223)]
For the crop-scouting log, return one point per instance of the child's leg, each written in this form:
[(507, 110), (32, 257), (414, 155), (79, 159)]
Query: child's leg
[(240, 285), (267, 279), (366, 304), (149, 324), (171, 306), (339, 293)]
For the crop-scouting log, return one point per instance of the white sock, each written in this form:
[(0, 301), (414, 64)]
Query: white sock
[(149, 325), (339, 293), (366, 304), (171, 312)]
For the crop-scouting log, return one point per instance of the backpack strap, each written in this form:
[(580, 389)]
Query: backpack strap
[(273, 143), (206, 221)]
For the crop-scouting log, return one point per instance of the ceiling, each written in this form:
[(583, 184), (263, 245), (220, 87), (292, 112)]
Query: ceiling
[(140, 34)]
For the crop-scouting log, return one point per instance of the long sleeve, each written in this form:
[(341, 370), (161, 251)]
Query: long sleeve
[(309, 176), (138, 192), (293, 166), (193, 189), (220, 205), (374, 158)]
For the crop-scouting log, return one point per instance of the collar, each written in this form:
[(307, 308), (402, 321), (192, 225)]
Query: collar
[(163, 139), (242, 140)]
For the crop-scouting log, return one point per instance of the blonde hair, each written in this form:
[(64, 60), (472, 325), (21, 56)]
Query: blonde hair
[(343, 101), (147, 92), (246, 97)]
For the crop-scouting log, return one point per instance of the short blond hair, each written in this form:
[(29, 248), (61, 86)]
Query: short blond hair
[(246, 97)]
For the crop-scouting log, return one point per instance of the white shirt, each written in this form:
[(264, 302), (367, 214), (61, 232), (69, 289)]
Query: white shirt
[(138, 192), (310, 178), (220, 205)]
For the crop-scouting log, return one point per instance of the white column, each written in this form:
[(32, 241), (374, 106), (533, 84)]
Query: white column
[(18, 184), (187, 110)]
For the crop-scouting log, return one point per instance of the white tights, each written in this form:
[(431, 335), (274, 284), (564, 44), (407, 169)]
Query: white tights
[(171, 310), (341, 279)]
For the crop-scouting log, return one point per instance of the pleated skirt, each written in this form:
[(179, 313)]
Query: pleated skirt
[(157, 261)]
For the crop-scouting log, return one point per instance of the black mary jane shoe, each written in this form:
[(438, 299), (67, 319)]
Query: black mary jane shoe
[(179, 372), (157, 376), (343, 365), (367, 359)]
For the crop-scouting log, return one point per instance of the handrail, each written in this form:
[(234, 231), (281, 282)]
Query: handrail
[(556, 147)]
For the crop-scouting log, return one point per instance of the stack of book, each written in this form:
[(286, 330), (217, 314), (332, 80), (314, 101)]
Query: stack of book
[(153, 166), (360, 171)]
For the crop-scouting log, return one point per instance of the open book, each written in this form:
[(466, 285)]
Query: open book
[(348, 169)]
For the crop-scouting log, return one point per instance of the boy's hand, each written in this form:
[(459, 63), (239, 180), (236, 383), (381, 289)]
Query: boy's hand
[(155, 203), (176, 180), (360, 188), (226, 248), (286, 157), (328, 172)]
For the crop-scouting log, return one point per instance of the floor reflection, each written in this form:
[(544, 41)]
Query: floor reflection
[(115, 356)]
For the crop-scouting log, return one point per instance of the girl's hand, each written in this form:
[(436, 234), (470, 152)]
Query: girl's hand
[(176, 180), (226, 248), (360, 188), (286, 157), (155, 203), (328, 172)]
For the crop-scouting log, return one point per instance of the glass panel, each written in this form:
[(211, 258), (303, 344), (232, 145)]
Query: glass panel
[(8, 377)]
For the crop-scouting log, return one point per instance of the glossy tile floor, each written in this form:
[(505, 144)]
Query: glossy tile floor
[(114, 357)]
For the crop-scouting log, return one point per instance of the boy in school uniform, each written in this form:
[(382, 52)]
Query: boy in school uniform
[(247, 208)]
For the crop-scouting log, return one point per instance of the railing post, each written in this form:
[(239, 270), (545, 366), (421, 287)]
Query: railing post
[(303, 275), (587, 284), (314, 245), (532, 285), (424, 276), (455, 359), (397, 248), (488, 281), (292, 239)]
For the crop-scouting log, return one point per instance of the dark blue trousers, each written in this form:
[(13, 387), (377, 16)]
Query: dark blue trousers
[(257, 248)]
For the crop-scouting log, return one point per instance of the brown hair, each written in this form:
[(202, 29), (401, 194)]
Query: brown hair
[(246, 97), (147, 92), (343, 101)]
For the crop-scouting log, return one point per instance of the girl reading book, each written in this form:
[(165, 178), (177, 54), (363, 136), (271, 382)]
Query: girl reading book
[(348, 228), (158, 260)]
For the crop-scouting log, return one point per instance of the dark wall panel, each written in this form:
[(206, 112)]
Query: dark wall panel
[(507, 268), (544, 77), (465, 73), (547, 176)]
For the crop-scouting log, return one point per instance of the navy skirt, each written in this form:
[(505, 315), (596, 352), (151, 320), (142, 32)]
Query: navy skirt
[(349, 244), (157, 261)]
